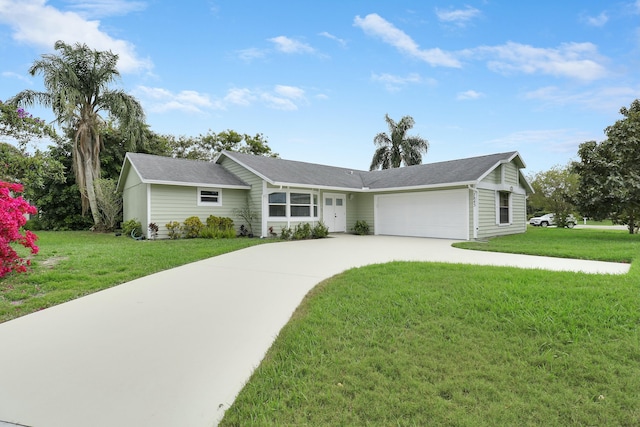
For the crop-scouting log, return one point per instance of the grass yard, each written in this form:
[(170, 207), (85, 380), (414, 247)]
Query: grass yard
[(74, 264), (426, 344)]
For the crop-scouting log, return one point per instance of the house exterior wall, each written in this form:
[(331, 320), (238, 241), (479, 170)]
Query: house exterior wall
[(134, 199), (177, 203), (360, 208), (504, 178), (253, 198)]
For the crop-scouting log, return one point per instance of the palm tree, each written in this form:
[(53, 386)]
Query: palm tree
[(77, 81), (398, 148)]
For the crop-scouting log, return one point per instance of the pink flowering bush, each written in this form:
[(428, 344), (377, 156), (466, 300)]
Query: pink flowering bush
[(12, 218)]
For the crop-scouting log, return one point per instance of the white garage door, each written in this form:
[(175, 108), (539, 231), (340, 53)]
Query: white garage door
[(442, 214)]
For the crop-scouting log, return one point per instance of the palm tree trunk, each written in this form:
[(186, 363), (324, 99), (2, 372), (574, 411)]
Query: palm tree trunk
[(91, 191)]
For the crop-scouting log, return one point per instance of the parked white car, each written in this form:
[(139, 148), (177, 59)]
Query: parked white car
[(548, 219)]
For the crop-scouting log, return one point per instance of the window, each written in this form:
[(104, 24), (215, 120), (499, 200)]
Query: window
[(300, 204), (278, 204), (293, 204), (209, 197), (504, 207)]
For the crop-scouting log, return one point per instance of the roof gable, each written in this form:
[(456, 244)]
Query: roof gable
[(168, 170)]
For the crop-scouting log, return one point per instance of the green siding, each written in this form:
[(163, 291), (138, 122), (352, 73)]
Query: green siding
[(134, 198), (253, 197), (488, 226), (177, 203), (360, 208)]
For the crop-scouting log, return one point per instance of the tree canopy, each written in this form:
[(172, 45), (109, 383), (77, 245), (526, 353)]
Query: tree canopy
[(396, 148), (77, 82), (609, 185), (555, 190)]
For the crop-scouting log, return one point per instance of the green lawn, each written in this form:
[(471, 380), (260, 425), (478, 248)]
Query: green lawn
[(73, 264), (410, 344), (427, 344)]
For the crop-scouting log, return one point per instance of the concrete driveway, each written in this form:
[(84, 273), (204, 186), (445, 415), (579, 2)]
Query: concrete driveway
[(174, 348)]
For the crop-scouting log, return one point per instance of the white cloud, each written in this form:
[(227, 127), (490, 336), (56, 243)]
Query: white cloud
[(161, 100), (563, 141), (606, 99), (17, 76), (469, 94), (374, 25), (575, 60), (278, 103), (103, 8), (251, 54), (459, 17), (288, 45), (340, 41), (291, 92), (395, 83), (37, 24), (596, 21), (242, 97)]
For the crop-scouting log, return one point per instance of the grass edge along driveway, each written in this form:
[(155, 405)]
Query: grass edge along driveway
[(411, 343)]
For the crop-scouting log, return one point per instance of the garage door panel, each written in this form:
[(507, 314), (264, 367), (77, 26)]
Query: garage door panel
[(442, 214)]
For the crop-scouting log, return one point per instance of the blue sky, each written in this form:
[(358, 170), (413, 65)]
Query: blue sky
[(317, 78)]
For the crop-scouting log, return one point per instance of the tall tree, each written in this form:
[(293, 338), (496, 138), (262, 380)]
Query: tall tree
[(397, 148), (555, 190), (610, 172), (77, 80)]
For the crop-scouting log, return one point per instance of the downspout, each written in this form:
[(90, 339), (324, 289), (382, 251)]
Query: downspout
[(148, 210), (476, 210), (264, 209)]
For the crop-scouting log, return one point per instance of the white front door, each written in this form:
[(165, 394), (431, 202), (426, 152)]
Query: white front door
[(334, 212)]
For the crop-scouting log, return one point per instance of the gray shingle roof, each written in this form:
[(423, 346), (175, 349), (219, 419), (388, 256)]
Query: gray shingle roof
[(281, 171), (293, 172), (450, 172), (182, 171)]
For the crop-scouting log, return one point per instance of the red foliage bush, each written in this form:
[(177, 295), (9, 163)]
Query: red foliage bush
[(12, 218)]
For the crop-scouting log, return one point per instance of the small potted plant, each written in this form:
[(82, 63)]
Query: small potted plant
[(153, 228)]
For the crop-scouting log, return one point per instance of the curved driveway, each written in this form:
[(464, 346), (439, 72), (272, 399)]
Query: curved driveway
[(174, 348)]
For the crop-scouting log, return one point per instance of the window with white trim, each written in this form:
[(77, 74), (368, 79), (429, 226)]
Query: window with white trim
[(209, 197), (504, 204), (293, 204), (278, 204)]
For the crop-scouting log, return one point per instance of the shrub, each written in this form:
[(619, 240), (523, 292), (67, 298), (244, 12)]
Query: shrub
[(12, 218), (192, 227), (320, 231), (109, 203), (302, 231), (175, 229), (221, 223), (132, 228), (286, 233), (208, 232), (361, 228)]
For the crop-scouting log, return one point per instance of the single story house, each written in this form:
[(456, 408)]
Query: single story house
[(472, 198)]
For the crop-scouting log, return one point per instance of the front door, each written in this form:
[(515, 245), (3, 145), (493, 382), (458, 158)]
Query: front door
[(334, 212)]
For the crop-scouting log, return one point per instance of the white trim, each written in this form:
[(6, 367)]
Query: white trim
[(288, 217), (476, 211), (264, 203), (148, 210), (510, 207), (199, 201)]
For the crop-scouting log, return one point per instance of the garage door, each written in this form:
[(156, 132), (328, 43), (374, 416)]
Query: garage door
[(442, 214)]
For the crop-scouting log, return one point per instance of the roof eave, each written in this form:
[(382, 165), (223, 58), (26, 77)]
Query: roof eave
[(196, 184), (419, 187)]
